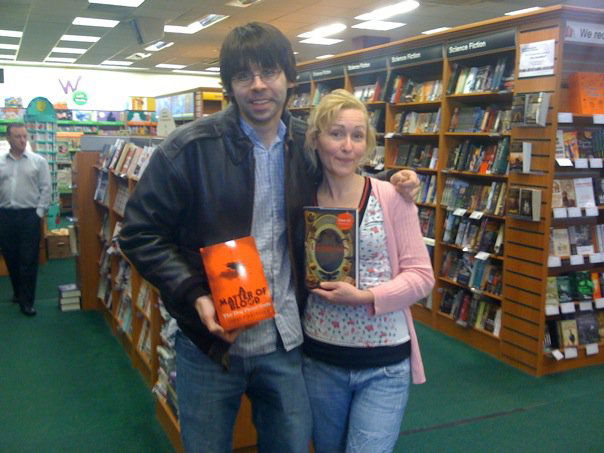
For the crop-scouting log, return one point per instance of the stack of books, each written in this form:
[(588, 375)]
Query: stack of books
[(69, 297)]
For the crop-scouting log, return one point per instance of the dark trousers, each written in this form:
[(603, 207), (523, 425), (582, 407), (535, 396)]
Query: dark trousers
[(20, 244)]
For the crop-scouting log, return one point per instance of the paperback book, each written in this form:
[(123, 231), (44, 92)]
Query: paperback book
[(239, 289), (331, 245)]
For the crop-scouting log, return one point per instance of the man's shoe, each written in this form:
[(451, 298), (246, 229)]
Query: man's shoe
[(28, 310)]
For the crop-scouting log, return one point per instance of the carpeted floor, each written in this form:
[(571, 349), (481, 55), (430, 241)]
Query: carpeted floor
[(66, 385)]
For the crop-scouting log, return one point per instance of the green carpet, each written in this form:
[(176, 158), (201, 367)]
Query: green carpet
[(66, 383), (67, 386)]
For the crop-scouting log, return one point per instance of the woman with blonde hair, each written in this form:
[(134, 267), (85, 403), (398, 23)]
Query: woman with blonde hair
[(360, 343)]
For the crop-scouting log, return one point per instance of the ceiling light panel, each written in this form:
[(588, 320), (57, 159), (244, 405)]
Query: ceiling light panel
[(322, 32), (158, 46), (321, 41), (378, 25), (9, 46), (60, 59), (7, 57), (194, 27), (68, 50), (11, 33), (117, 63), (323, 57), (127, 3), (79, 38), (389, 11), (213, 69), (90, 22), (435, 30), (183, 71), (242, 3), (522, 11), (170, 66), (138, 56)]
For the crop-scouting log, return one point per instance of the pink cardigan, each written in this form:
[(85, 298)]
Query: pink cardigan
[(410, 264)]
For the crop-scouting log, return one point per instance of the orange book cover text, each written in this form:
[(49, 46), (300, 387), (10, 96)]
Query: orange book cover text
[(237, 282)]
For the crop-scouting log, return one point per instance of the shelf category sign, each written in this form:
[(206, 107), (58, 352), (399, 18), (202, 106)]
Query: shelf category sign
[(332, 72), (378, 64), (413, 56), (484, 43), (303, 77)]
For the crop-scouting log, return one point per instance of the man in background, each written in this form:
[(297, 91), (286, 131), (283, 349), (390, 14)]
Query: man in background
[(24, 199)]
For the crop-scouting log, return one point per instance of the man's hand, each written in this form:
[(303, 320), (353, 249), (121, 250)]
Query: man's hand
[(406, 183), (343, 293), (207, 313)]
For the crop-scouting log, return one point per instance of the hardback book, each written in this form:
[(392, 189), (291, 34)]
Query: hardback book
[(588, 328), (565, 293), (584, 192), (568, 333), (537, 105), (520, 157), (239, 288), (530, 204), (567, 189), (560, 242), (581, 285), (331, 245), (69, 290), (551, 294)]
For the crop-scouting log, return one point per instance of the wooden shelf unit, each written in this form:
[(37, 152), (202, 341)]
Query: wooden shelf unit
[(526, 244)]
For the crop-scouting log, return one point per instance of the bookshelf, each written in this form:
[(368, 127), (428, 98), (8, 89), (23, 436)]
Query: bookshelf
[(503, 260)]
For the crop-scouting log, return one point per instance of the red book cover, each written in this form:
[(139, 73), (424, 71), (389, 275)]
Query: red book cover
[(239, 289)]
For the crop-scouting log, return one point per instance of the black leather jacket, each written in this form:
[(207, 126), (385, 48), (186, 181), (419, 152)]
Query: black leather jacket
[(198, 190)]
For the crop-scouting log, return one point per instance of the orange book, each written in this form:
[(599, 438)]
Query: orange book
[(237, 282)]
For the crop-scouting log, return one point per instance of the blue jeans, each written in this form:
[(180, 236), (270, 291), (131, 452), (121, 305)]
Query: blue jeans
[(356, 410), (209, 399)]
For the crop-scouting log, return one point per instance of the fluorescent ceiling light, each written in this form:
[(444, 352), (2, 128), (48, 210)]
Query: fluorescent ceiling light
[(183, 71), (68, 50), (127, 3), (323, 57), (321, 41), (9, 46), (60, 59), (11, 33), (170, 66), (159, 45), (196, 26), (242, 3), (435, 30), (389, 11), (522, 11), (79, 38), (324, 31), (7, 57), (117, 62), (138, 56), (380, 25), (213, 69), (90, 22)]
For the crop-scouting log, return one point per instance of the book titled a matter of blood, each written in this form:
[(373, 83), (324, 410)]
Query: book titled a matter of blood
[(237, 282)]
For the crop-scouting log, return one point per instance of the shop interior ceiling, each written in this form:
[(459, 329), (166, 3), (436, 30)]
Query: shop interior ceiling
[(44, 22)]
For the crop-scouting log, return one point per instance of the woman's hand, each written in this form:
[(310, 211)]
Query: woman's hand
[(343, 293)]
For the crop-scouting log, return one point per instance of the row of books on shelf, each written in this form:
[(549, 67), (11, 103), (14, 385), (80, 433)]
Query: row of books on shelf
[(299, 100), (475, 271), (581, 239), (416, 155), (369, 93), (574, 287), (585, 192), (404, 89), (492, 119), (476, 79), (577, 143), (471, 310), (488, 198), (584, 328), (483, 158), (125, 158), (165, 387), (475, 235), (427, 189), (409, 122)]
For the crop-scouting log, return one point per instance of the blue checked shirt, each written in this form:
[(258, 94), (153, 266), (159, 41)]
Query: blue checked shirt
[(269, 229)]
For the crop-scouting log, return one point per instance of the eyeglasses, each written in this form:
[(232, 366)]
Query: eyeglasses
[(245, 78)]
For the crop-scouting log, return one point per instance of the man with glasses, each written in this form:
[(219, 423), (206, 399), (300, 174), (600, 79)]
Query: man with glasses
[(236, 173)]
